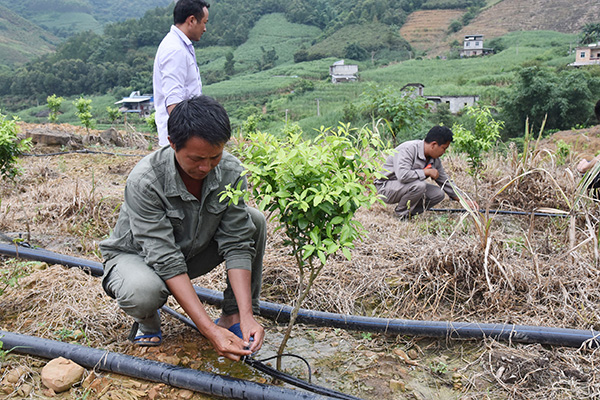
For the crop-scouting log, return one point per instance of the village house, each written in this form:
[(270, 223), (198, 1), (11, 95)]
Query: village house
[(587, 55), (142, 104), (473, 46), (341, 72), (455, 103)]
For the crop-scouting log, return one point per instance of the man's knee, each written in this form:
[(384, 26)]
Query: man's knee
[(139, 296), (414, 193), (142, 299), (435, 196), (260, 222)]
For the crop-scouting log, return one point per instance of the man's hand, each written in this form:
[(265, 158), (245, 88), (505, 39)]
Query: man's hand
[(432, 173), (252, 329), (227, 344), (583, 166)]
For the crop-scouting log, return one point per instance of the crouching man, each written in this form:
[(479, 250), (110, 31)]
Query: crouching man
[(172, 228), (407, 169)]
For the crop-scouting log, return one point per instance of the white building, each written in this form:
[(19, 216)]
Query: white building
[(341, 72)]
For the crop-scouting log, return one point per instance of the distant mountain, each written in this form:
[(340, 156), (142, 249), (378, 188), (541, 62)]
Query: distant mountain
[(103, 11), (21, 40), (429, 30), (25, 34)]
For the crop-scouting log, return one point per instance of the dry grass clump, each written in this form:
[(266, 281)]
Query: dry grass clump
[(54, 302)]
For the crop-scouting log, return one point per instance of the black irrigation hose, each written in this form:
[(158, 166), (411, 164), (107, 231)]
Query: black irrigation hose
[(276, 374), (95, 269), (441, 329), (198, 381), (535, 214)]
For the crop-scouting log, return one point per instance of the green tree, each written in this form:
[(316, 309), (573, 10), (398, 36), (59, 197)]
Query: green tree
[(355, 52), (565, 97), (11, 147), (268, 59), (151, 122), (84, 112), (404, 111), (113, 114), (229, 67), (475, 140), (312, 189), (54, 104), (590, 33)]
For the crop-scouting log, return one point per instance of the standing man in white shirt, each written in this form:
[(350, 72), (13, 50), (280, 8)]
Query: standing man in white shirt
[(176, 76)]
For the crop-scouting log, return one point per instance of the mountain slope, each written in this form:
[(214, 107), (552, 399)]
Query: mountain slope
[(503, 17), (21, 40), (428, 28), (24, 34), (566, 16)]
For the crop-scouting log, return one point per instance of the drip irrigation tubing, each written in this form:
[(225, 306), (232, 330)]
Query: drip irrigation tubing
[(95, 269), (276, 374), (185, 378), (535, 214), (441, 329)]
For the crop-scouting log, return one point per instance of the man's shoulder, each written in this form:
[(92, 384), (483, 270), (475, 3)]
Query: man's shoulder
[(409, 145), (170, 43), (150, 168), (231, 163)]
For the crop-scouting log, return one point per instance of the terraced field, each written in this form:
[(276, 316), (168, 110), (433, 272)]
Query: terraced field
[(427, 31), (429, 28)]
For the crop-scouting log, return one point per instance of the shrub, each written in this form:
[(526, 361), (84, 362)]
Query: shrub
[(84, 112), (312, 189), (54, 104), (10, 147)]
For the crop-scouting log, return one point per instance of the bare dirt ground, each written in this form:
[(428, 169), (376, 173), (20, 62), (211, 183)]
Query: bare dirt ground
[(538, 271)]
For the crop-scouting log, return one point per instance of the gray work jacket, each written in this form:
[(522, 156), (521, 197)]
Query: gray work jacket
[(407, 162), (164, 223)]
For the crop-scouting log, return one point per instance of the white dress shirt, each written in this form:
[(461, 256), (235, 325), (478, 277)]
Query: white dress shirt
[(175, 78)]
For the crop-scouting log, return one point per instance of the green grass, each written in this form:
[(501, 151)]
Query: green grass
[(478, 75), (271, 31), (274, 91), (67, 22), (371, 37)]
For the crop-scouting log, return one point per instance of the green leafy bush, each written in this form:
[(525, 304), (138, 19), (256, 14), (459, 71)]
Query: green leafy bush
[(54, 104), (478, 138), (312, 189), (404, 111), (84, 112), (10, 147)]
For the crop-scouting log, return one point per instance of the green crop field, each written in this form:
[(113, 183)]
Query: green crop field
[(277, 94)]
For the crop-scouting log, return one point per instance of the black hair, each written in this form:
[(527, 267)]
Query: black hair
[(597, 110), (184, 8), (439, 134), (200, 116)]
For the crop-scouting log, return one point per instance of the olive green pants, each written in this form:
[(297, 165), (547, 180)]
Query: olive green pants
[(140, 292)]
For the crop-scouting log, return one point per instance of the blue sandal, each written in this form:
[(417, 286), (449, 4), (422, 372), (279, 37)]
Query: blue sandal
[(137, 337), (235, 329)]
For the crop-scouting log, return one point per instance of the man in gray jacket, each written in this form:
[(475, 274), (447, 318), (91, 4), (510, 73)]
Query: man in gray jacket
[(407, 169), (173, 227)]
